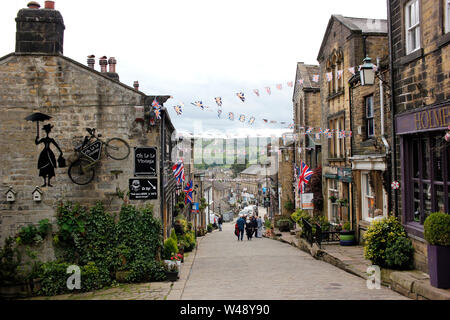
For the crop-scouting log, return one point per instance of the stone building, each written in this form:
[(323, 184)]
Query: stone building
[(37, 77), (342, 48), (307, 113), (286, 177), (419, 37), (370, 143)]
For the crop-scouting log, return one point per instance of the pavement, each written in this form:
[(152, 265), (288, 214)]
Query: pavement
[(413, 284)]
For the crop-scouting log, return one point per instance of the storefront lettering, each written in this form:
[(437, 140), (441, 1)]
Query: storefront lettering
[(435, 118)]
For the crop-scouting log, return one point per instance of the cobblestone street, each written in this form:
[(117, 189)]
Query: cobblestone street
[(266, 269)]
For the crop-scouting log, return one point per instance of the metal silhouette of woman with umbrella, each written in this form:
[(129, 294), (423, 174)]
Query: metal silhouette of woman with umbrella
[(47, 160)]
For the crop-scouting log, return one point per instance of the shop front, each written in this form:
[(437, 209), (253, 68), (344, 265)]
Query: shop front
[(425, 165)]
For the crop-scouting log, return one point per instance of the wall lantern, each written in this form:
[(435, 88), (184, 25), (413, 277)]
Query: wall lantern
[(367, 73), (10, 195), (37, 194)]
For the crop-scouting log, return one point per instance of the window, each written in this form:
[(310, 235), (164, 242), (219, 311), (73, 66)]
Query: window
[(412, 26), (333, 214), (446, 16), (367, 197), (369, 117), (427, 180), (336, 141)]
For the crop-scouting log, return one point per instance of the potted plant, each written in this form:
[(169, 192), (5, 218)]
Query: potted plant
[(346, 236), (332, 199), (284, 224), (437, 234), (171, 271), (343, 202)]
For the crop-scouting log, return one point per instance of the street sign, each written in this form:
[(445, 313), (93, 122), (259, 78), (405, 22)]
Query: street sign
[(145, 161), (195, 207), (307, 201), (143, 189)]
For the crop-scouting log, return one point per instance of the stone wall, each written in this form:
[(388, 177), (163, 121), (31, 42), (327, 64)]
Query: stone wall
[(76, 97)]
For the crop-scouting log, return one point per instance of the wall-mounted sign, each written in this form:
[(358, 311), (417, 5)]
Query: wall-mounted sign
[(143, 189), (431, 118), (145, 161), (195, 207), (345, 174), (93, 150), (307, 201)]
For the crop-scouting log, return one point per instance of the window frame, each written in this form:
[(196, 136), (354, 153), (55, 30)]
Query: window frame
[(409, 28), (446, 16), (369, 119), (365, 185), (333, 189)]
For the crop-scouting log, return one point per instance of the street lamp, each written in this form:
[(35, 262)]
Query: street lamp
[(367, 73)]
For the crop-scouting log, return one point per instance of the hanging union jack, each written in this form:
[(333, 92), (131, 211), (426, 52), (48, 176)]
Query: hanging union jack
[(178, 171), (188, 190), (304, 176)]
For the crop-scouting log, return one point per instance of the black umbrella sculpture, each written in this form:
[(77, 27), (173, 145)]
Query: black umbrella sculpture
[(36, 117)]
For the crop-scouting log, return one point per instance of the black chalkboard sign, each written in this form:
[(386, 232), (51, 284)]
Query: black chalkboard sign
[(145, 161), (93, 150), (143, 189)]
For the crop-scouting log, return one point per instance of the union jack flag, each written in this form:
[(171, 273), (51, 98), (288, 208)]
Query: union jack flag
[(256, 91), (300, 81), (178, 109), (268, 90), (231, 116), (219, 112), (329, 76), (304, 176), (265, 120), (241, 96), (188, 190), (290, 84), (178, 171), (251, 121), (242, 118), (279, 86), (309, 130), (157, 108), (291, 126), (315, 78), (198, 104), (218, 101)]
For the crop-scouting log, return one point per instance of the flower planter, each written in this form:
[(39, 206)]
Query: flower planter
[(347, 238), (439, 266), (172, 276)]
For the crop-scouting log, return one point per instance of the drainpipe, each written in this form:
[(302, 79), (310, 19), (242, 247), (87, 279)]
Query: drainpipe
[(162, 167), (383, 138), (391, 67)]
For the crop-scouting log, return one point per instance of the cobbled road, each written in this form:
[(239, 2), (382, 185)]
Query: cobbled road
[(265, 269)]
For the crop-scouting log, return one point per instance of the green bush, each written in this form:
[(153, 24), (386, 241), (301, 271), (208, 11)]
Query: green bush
[(10, 259), (267, 224), (173, 235), (381, 235), (54, 278), (284, 224), (188, 241), (346, 226), (210, 227), (399, 255), (30, 235), (298, 214), (170, 248), (437, 229), (147, 271), (93, 277)]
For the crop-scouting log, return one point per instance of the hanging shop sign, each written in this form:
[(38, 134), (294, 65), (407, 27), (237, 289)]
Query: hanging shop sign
[(143, 189), (195, 207), (93, 150), (344, 174), (145, 161)]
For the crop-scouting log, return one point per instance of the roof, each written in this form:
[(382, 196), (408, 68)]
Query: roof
[(305, 72), (364, 26), (254, 170)]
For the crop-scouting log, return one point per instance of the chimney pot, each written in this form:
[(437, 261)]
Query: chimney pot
[(91, 61), (112, 64), (136, 85), (103, 63), (50, 5), (33, 5)]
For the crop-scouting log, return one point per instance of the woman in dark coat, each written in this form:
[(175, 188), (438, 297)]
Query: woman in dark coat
[(47, 160), (249, 229)]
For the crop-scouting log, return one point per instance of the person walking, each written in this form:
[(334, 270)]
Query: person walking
[(254, 226), (249, 228), (240, 224), (220, 222), (259, 226)]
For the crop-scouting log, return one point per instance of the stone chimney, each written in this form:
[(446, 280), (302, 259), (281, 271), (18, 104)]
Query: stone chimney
[(39, 30), (103, 62), (91, 61), (136, 85)]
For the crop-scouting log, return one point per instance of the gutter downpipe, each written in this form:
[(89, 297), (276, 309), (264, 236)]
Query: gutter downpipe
[(383, 138), (162, 168), (394, 145)]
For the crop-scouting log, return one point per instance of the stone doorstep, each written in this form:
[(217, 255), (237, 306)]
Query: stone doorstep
[(413, 284)]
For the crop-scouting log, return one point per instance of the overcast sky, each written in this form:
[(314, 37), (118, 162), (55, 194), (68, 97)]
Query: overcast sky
[(201, 49)]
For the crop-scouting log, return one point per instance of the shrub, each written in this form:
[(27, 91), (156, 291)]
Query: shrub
[(147, 271), (173, 235), (210, 227), (437, 229), (284, 224), (381, 235), (94, 277), (346, 226), (10, 259), (289, 206), (399, 255), (53, 278), (170, 248), (268, 224), (190, 241), (297, 215)]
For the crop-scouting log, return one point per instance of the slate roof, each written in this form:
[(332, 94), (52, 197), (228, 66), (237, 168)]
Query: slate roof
[(254, 170), (306, 72)]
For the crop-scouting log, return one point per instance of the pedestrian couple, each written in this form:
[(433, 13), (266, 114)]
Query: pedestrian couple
[(251, 225)]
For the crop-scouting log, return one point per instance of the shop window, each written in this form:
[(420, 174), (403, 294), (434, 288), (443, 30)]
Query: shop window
[(370, 125), (427, 180), (412, 26), (367, 197)]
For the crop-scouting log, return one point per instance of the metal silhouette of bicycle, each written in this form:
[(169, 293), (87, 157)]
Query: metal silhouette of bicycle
[(82, 170)]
